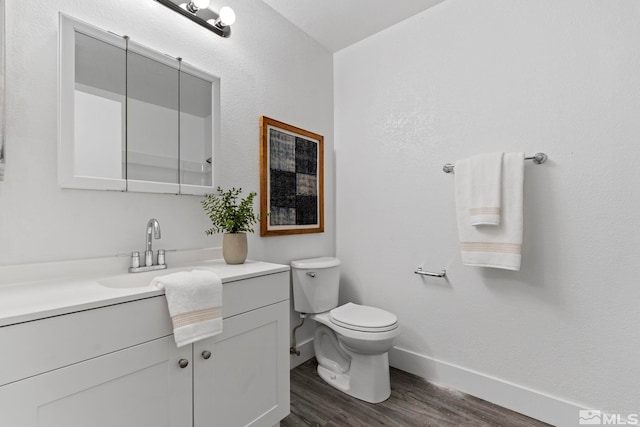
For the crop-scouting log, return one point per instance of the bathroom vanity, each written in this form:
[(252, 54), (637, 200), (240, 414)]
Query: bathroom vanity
[(108, 357)]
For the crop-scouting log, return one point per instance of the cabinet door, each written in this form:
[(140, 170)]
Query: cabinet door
[(92, 107), (141, 386), (245, 382), (152, 120), (199, 130)]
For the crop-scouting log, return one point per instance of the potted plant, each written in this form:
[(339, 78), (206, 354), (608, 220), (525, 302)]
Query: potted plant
[(232, 215)]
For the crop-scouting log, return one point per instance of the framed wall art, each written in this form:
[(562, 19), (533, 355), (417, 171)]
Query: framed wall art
[(291, 179)]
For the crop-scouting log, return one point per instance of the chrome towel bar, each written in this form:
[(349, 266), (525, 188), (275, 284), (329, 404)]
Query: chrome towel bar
[(421, 272), (537, 158)]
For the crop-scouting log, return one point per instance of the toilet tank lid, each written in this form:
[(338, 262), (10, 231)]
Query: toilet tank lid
[(314, 263)]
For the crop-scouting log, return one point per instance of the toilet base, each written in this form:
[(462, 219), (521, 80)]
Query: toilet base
[(367, 379)]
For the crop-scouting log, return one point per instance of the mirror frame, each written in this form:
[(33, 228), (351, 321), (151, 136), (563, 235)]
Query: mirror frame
[(66, 113)]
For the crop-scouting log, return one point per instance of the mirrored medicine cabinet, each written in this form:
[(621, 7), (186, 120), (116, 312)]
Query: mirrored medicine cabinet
[(133, 119)]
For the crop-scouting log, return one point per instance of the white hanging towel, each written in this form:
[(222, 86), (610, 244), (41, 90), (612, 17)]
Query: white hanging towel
[(195, 304), (485, 188), (492, 246)]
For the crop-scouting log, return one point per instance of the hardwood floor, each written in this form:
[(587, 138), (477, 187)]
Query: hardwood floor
[(413, 402)]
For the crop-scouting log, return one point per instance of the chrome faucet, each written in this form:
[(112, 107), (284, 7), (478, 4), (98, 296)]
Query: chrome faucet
[(153, 226), (153, 232)]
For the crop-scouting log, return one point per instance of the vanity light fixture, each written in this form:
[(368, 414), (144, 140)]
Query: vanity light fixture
[(198, 12)]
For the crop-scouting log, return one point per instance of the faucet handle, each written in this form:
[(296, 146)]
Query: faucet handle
[(148, 258), (161, 259), (135, 259)]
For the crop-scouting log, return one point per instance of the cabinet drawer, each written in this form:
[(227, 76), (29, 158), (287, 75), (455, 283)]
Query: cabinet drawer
[(34, 347), (248, 294)]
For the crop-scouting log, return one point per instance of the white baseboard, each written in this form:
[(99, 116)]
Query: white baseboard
[(306, 352), (529, 402)]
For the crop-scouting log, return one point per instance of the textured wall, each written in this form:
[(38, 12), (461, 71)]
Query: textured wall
[(467, 77), (268, 67)]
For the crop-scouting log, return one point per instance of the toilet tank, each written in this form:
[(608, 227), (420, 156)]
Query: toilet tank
[(316, 284)]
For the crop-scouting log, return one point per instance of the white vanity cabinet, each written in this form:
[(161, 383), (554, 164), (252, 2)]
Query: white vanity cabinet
[(119, 366)]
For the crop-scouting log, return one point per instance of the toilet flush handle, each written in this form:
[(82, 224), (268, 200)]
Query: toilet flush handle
[(311, 274)]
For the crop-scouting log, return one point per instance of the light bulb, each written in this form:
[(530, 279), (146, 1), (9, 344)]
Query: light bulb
[(227, 16), (201, 4)]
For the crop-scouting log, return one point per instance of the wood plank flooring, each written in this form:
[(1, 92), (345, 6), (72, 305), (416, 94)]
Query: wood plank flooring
[(413, 402)]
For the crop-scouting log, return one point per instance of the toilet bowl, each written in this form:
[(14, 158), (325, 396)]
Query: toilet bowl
[(355, 359), (351, 341)]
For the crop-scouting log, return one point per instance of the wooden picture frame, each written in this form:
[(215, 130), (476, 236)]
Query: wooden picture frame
[(291, 179)]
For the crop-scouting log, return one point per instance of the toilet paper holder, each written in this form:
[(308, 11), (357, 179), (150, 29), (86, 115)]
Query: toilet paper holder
[(421, 272)]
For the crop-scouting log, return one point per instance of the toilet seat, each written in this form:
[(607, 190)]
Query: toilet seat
[(363, 318)]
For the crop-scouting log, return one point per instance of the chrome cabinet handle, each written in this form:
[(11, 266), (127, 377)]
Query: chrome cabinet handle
[(206, 354), (183, 363)]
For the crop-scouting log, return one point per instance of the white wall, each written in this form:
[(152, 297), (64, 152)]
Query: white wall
[(267, 67), (467, 77)]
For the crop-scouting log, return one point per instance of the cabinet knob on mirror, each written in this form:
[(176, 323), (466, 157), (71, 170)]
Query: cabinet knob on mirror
[(183, 363), (206, 354)]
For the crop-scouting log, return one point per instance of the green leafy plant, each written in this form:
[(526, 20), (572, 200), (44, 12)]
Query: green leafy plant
[(228, 212)]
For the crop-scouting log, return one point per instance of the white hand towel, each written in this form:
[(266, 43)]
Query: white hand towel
[(498, 246), (195, 304), (485, 188)]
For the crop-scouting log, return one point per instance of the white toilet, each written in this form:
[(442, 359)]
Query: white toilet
[(351, 341)]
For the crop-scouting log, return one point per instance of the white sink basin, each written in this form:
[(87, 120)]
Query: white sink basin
[(225, 271), (136, 280), (141, 280)]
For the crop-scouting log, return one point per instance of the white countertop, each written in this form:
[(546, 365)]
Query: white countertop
[(23, 301)]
